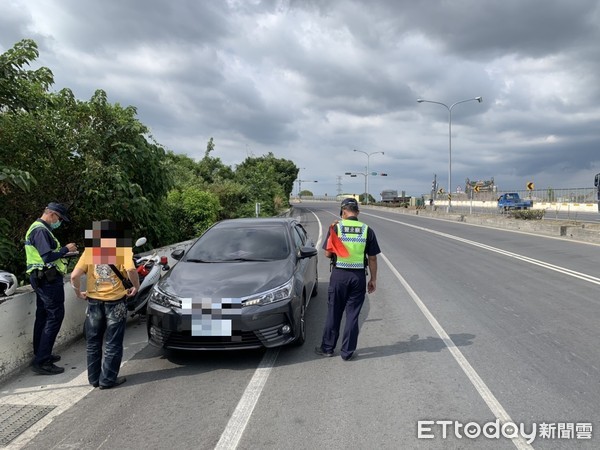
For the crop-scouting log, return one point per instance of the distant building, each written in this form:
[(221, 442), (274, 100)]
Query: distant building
[(482, 186), (388, 195)]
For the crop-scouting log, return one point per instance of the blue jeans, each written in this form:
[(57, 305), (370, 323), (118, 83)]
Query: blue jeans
[(105, 322), (49, 315)]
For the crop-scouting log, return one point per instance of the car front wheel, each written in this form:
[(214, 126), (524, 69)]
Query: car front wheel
[(301, 327)]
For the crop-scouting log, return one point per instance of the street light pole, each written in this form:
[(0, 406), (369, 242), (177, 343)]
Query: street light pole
[(299, 182), (367, 174), (300, 186), (449, 108)]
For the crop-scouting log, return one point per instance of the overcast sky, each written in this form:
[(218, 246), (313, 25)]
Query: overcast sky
[(311, 81)]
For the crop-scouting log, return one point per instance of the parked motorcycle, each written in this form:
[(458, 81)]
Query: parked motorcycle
[(148, 268)]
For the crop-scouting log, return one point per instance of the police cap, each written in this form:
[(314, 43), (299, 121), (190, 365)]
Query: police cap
[(349, 203), (59, 209)]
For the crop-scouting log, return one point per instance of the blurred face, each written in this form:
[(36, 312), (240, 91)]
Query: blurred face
[(108, 243)]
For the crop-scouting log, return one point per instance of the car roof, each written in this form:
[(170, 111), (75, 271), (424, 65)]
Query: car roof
[(254, 221)]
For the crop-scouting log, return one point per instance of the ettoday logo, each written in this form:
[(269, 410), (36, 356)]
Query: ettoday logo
[(430, 429)]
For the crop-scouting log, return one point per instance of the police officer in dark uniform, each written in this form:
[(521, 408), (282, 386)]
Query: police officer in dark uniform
[(46, 268), (348, 283)]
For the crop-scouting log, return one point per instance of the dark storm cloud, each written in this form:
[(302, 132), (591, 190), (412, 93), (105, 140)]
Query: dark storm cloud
[(491, 28), (312, 80), (106, 26)]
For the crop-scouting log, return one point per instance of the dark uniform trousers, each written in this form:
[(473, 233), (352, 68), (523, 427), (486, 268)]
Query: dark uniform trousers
[(49, 315), (346, 292)]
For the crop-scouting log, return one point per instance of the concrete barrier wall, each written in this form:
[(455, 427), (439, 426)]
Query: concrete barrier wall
[(548, 206), (17, 315)]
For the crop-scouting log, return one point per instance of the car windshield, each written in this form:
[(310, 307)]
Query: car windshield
[(240, 244)]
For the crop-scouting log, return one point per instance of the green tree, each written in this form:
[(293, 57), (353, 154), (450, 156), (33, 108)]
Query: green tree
[(192, 211), (22, 89), (10, 179), (211, 175), (269, 181), (211, 169)]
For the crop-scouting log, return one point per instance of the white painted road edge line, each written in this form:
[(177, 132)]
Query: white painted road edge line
[(239, 419), (475, 379)]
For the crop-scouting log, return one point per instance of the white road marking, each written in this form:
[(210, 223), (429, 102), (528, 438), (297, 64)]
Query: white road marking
[(475, 379), (236, 426)]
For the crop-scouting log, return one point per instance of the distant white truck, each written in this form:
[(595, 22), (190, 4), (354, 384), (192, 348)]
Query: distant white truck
[(389, 196)]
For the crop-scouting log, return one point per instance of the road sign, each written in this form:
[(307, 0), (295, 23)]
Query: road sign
[(476, 188), (530, 186), (441, 191)]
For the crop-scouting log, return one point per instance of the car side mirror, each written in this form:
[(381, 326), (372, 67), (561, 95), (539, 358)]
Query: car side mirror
[(177, 254), (308, 252)]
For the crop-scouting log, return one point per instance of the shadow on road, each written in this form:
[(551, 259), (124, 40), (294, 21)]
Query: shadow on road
[(415, 344)]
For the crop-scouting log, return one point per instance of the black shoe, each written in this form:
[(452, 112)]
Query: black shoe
[(319, 351), (349, 357), (53, 359), (119, 381), (47, 369), (95, 383)]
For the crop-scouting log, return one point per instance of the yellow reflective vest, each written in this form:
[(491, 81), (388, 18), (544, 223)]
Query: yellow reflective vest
[(354, 236), (34, 259)]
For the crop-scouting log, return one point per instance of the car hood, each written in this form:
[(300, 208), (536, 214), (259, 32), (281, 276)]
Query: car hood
[(225, 280)]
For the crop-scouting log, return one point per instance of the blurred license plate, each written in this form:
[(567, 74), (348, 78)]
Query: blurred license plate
[(212, 316)]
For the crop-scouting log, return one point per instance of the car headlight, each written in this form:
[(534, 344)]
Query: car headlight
[(163, 299), (278, 294)]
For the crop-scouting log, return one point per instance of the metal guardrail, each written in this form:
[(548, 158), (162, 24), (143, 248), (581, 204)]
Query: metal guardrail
[(549, 195)]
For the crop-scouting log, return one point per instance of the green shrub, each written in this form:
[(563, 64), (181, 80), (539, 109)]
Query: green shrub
[(528, 214)]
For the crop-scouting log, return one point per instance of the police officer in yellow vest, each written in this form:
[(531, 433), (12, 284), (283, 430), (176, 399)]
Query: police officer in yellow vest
[(46, 268), (348, 284)]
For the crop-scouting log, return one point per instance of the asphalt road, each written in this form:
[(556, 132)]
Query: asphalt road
[(468, 325)]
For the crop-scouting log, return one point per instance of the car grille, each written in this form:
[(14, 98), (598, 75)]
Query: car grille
[(249, 339), (185, 340)]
